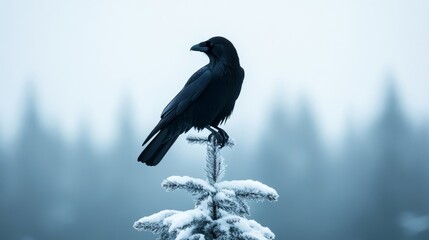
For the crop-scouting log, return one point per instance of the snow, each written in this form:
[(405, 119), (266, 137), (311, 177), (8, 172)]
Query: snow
[(203, 205), (250, 189), (250, 229), (182, 219), (184, 234), (154, 220)]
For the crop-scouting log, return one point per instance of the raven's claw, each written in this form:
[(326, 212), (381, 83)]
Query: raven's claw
[(224, 136), (221, 138)]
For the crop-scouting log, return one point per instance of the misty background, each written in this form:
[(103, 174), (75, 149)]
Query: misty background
[(333, 114)]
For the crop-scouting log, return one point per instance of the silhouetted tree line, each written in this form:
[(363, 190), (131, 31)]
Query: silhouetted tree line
[(373, 186)]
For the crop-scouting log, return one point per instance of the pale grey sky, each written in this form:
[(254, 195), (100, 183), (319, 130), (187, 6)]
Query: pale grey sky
[(84, 56)]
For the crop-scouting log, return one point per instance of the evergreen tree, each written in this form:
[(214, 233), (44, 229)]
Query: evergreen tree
[(393, 168), (30, 170), (38, 171), (3, 176), (220, 206), (293, 164), (4, 187), (272, 166), (87, 185), (117, 189)]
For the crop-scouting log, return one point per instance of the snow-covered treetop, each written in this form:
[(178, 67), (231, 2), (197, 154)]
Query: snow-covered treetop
[(220, 208)]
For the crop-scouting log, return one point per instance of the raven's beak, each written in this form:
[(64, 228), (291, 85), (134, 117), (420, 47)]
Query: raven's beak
[(200, 47)]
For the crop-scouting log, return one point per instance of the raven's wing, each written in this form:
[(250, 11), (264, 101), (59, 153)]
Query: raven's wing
[(196, 84), (192, 89)]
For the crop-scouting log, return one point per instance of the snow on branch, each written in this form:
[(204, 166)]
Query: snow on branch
[(190, 184), (250, 190), (172, 224), (220, 206), (228, 203), (154, 222), (233, 227), (186, 219)]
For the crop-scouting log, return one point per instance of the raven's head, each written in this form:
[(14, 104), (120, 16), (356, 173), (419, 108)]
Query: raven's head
[(218, 48)]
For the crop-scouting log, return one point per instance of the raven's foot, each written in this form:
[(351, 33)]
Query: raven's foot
[(220, 136), (224, 136)]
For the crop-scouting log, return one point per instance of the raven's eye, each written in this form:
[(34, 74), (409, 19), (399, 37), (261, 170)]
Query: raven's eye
[(209, 44)]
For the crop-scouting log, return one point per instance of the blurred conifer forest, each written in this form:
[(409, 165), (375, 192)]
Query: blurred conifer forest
[(372, 185)]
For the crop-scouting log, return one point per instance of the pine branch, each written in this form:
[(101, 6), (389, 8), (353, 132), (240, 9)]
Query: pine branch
[(250, 190), (192, 139), (229, 203), (154, 222), (190, 184), (242, 228)]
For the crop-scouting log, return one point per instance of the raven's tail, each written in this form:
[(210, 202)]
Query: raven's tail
[(157, 148)]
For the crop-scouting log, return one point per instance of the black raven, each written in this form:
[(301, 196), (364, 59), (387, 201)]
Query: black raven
[(206, 100)]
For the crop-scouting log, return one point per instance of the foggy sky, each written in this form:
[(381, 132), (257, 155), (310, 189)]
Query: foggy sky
[(84, 58)]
